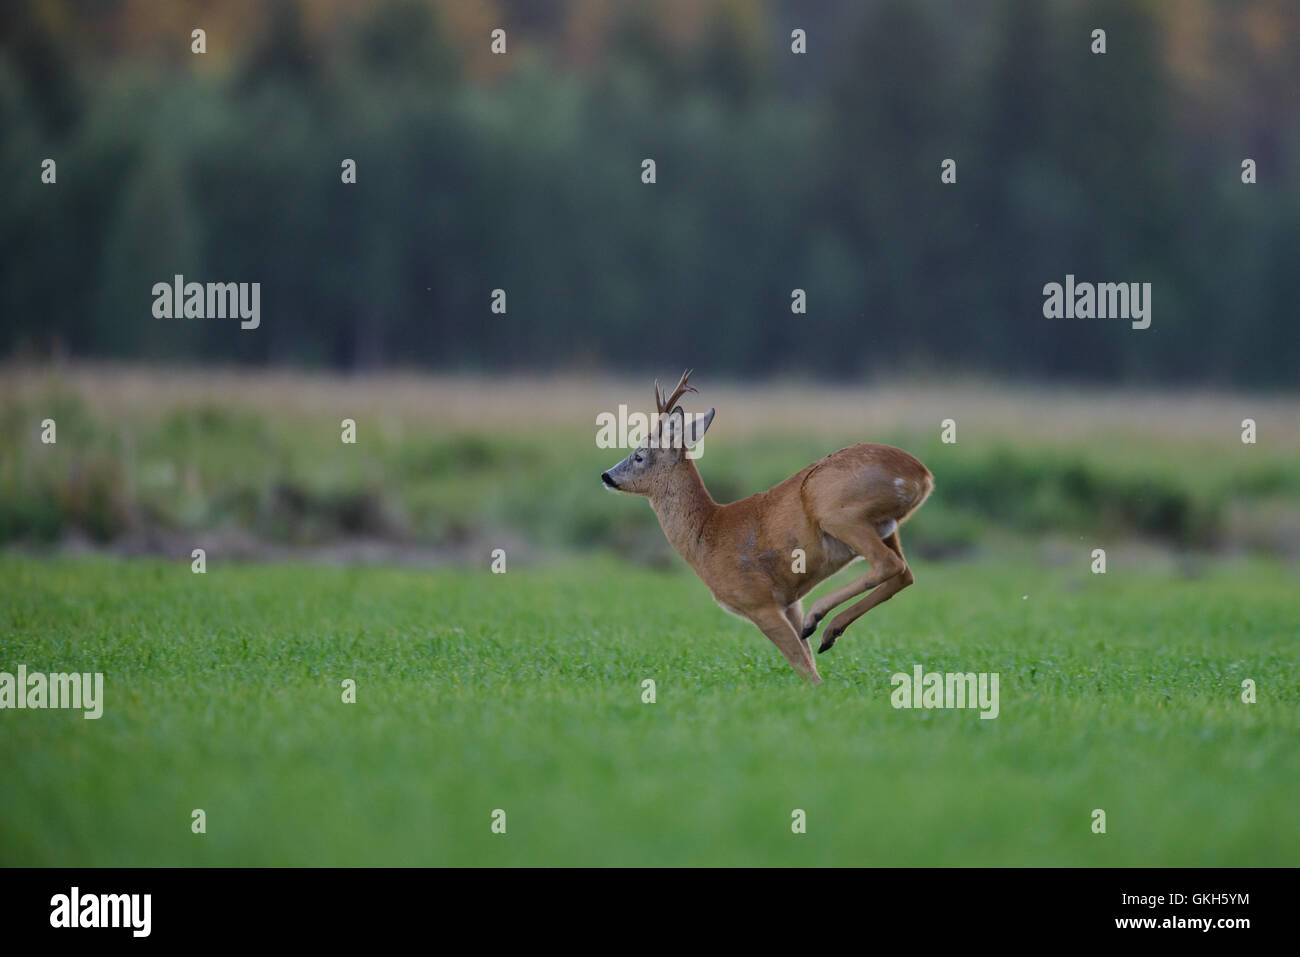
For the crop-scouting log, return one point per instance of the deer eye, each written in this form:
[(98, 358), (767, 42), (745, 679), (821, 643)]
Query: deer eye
[(638, 457)]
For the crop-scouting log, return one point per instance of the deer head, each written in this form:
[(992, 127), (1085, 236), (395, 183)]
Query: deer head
[(649, 469)]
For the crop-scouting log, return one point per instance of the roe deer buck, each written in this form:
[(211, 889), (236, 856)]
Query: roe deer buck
[(847, 505)]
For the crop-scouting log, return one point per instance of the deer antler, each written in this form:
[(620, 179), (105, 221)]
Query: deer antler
[(666, 405)]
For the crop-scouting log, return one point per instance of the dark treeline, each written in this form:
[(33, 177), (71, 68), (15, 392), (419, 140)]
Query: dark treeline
[(775, 171)]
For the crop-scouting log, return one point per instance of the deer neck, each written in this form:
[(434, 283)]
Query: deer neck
[(682, 506)]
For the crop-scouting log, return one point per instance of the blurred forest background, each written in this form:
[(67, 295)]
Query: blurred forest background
[(522, 172), (775, 171)]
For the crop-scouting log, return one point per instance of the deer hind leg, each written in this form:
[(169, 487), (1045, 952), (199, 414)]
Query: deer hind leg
[(886, 561), (887, 590), (778, 627)]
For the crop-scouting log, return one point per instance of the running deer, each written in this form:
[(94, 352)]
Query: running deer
[(845, 506)]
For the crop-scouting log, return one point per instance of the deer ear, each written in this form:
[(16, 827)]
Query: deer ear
[(696, 426)]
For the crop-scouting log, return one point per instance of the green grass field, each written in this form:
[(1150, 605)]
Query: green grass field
[(523, 692)]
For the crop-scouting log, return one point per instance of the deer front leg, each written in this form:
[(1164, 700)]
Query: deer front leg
[(772, 621), (794, 614)]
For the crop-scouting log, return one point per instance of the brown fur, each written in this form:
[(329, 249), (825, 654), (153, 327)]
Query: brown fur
[(835, 510)]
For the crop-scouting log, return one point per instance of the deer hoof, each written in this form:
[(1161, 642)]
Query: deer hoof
[(809, 626), (828, 639)]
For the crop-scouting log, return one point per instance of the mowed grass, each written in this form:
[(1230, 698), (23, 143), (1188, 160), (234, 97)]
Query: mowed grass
[(523, 692)]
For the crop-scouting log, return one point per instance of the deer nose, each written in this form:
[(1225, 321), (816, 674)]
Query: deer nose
[(609, 482)]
